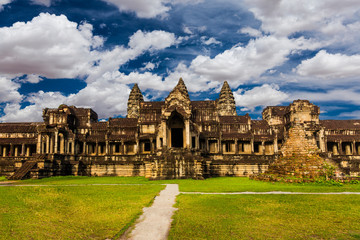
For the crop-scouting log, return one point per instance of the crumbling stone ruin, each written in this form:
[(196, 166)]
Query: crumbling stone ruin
[(174, 138)]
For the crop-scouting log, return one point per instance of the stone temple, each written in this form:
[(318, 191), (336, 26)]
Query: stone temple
[(175, 138)]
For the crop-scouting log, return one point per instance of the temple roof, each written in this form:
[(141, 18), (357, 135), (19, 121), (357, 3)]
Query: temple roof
[(340, 124)]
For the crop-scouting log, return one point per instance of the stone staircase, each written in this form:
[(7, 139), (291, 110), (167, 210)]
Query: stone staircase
[(297, 143), (299, 160), (21, 172)]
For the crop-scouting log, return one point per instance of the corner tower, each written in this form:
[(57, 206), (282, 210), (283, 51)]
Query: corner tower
[(135, 98), (226, 102)]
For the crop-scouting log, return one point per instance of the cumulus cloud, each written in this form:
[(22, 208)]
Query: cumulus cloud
[(265, 95), (9, 90), (209, 41), (148, 9), (142, 8), (354, 114), (4, 2), (46, 3), (53, 47), (151, 41), (49, 46), (240, 64), (32, 113), (251, 32), (286, 17), (330, 66), (338, 95)]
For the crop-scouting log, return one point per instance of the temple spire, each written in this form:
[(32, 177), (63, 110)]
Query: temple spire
[(135, 98), (226, 102)]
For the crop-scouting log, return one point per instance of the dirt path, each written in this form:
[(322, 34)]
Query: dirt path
[(155, 222)]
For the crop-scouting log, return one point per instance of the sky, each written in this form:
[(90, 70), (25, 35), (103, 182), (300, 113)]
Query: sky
[(90, 54)]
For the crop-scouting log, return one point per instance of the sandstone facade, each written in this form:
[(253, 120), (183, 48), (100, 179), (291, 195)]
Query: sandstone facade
[(174, 138)]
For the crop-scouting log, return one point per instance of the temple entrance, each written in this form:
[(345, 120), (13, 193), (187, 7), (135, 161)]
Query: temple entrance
[(176, 130), (177, 140)]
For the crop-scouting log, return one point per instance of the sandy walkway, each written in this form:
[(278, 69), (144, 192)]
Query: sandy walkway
[(155, 222)]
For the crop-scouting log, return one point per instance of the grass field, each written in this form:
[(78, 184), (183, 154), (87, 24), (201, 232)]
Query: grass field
[(2, 178), (221, 184), (243, 184), (77, 212), (75, 208), (267, 217)]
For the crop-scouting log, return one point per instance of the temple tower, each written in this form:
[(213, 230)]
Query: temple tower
[(135, 98), (226, 102)]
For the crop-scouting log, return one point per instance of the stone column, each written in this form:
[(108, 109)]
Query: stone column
[(47, 144), (23, 149), (187, 134), (62, 144), (353, 148), (137, 146), (276, 147), (96, 148), (84, 148), (107, 147), (151, 145), (358, 150), (322, 141), (252, 145), (4, 151), (11, 149), (16, 151), (335, 149), (207, 147), (38, 145), (56, 142), (165, 143), (73, 147), (122, 148), (28, 151), (51, 144), (263, 147), (348, 149), (340, 148), (236, 147)]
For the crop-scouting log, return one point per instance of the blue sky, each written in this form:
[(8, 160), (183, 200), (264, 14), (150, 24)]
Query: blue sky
[(90, 53)]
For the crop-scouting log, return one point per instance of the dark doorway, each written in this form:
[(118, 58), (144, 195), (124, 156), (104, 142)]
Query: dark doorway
[(177, 137)]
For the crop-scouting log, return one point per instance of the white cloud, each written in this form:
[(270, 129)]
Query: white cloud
[(239, 64), (151, 41), (9, 91), (187, 30), (33, 112), (210, 41), (265, 95), (142, 8), (4, 2), (251, 32), (286, 17), (330, 66), (46, 3), (338, 95), (148, 8), (148, 66), (49, 46), (354, 114)]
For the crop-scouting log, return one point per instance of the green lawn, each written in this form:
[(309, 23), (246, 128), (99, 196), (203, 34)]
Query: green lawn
[(69, 180), (220, 184), (243, 184), (76, 212), (267, 217), (2, 178)]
